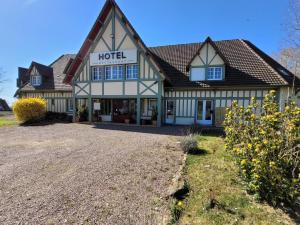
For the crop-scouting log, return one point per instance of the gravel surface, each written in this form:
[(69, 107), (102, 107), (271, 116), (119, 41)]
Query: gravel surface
[(82, 174)]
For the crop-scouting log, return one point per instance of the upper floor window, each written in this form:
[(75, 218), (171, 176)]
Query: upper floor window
[(132, 72), (36, 80), (97, 73), (214, 73), (114, 72), (197, 74)]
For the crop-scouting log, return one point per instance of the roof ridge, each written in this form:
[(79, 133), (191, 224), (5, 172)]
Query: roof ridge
[(262, 60), (34, 62), (191, 43), (170, 45)]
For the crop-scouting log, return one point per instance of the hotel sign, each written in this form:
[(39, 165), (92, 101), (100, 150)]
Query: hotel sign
[(114, 57)]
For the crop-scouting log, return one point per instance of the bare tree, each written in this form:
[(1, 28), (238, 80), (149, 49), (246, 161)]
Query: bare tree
[(293, 24), (2, 80), (290, 58)]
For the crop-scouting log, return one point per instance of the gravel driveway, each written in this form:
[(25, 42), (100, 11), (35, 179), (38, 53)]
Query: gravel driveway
[(81, 174)]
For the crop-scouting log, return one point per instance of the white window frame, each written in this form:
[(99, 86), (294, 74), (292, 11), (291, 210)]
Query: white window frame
[(96, 73), (112, 69), (213, 76), (132, 71), (36, 80)]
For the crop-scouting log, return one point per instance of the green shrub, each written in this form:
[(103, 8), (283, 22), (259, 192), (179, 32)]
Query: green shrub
[(266, 148), (189, 144), (29, 110)]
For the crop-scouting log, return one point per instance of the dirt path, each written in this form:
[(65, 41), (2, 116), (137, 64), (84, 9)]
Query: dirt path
[(79, 174)]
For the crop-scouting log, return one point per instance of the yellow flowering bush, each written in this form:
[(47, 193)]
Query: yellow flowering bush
[(266, 148), (29, 109)]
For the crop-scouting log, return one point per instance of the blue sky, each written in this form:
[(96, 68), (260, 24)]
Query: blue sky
[(42, 30)]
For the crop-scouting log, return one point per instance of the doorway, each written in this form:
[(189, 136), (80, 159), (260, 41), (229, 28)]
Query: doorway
[(170, 112), (124, 111), (205, 112)]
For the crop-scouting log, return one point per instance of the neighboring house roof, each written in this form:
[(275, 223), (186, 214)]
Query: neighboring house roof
[(52, 75), (23, 76), (245, 65), (3, 105)]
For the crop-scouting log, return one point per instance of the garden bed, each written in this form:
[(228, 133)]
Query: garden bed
[(216, 193)]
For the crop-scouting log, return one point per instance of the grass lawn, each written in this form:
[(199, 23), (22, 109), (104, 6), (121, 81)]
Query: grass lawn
[(7, 119), (214, 175)]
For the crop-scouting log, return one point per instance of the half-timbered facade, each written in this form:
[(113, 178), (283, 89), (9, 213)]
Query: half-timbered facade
[(46, 81), (117, 78)]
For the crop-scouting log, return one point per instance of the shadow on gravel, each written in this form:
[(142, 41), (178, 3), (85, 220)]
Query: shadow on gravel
[(164, 130), (42, 123)]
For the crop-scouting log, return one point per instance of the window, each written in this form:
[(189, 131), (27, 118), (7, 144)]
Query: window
[(197, 74), (104, 107), (132, 72), (69, 105), (97, 73), (170, 108), (36, 80), (52, 101), (152, 104), (114, 72), (214, 73), (108, 75)]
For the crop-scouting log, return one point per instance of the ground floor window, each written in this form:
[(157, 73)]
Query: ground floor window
[(124, 110), (105, 107), (102, 106), (205, 111), (102, 110), (152, 104), (170, 108), (70, 106), (170, 111)]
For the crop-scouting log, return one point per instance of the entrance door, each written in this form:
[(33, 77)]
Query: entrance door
[(205, 112), (124, 111), (170, 111)]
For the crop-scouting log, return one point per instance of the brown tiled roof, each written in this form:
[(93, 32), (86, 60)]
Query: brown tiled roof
[(23, 77), (52, 75), (245, 65)]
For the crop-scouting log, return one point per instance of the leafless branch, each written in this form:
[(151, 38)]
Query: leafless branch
[(293, 24), (2, 79)]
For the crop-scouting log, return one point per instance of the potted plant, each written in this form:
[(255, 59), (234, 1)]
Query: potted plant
[(154, 117), (83, 113), (127, 121)]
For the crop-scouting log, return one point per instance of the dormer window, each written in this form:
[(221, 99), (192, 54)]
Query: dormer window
[(208, 64), (36, 80), (214, 73)]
